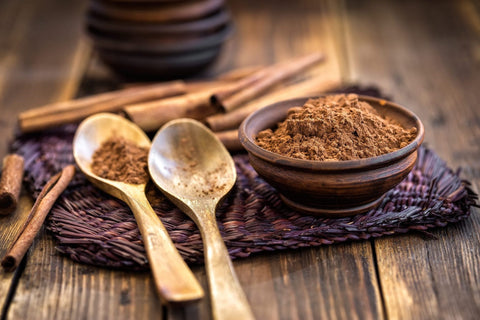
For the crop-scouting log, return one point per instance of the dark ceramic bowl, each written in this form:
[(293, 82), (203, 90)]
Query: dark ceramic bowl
[(330, 188)]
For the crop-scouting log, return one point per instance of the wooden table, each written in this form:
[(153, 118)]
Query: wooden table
[(425, 54)]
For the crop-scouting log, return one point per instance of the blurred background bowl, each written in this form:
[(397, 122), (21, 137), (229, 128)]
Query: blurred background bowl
[(158, 40), (330, 188)]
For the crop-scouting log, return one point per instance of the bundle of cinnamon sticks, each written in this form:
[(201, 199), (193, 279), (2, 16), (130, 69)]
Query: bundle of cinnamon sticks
[(222, 103)]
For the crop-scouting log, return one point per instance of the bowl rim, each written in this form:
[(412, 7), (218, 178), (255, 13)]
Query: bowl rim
[(249, 144)]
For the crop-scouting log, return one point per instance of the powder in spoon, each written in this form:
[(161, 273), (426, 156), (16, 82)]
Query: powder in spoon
[(121, 160), (335, 127)]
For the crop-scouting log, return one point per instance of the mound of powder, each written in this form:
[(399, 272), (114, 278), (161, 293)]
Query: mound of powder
[(121, 160), (336, 127)]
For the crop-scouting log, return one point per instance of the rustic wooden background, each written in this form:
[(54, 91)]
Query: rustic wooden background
[(425, 54)]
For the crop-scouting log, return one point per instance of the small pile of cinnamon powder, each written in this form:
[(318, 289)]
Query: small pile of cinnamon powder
[(121, 160), (336, 127)]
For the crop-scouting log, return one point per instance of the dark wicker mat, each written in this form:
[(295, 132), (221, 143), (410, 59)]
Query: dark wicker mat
[(94, 228)]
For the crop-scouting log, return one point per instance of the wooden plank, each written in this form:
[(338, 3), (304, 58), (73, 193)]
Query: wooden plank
[(39, 59), (10, 227), (424, 57), (331, 282), (16, 93), (53, 287)]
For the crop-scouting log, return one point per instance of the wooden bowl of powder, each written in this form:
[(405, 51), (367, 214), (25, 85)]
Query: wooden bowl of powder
[(333, 155)]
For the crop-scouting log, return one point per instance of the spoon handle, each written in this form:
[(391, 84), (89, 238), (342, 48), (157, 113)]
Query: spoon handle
[(173, 279), (227, 297)]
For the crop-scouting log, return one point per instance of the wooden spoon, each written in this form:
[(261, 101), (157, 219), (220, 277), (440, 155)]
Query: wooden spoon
[(173, 279), (195, 171)]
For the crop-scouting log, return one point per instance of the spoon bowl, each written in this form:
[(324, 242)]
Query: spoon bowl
[(173, 279), (195, 171), (185, 163), (90, 135)]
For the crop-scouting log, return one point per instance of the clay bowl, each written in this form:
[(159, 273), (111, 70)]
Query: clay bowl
[(330, 188)]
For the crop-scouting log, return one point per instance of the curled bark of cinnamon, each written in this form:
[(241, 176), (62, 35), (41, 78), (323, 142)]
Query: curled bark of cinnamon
[(197, 105), (75, 110), (230, 140), (239, 73), (10, 183), (276, 75), (45, 201), (241, 84), (152, 115)]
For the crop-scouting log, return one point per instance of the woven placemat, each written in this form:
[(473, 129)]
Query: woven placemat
[(94, 228)]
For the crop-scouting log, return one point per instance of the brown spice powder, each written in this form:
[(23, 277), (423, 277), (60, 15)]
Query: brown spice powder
[(121, 160), (336, 127)]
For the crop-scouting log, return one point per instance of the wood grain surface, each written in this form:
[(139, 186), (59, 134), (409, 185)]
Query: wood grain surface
[(425, 55), (39, 60), (431, 67)]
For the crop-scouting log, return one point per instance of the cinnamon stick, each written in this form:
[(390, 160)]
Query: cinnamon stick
[(152, 115), (76, 110), (227, 91), (230, 120), (197, 86), (68, 105), (279, 73), (239, 73), (229, 77), (190, 86), (230, 139), (45, 201), (196, 105), (10, 183)]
